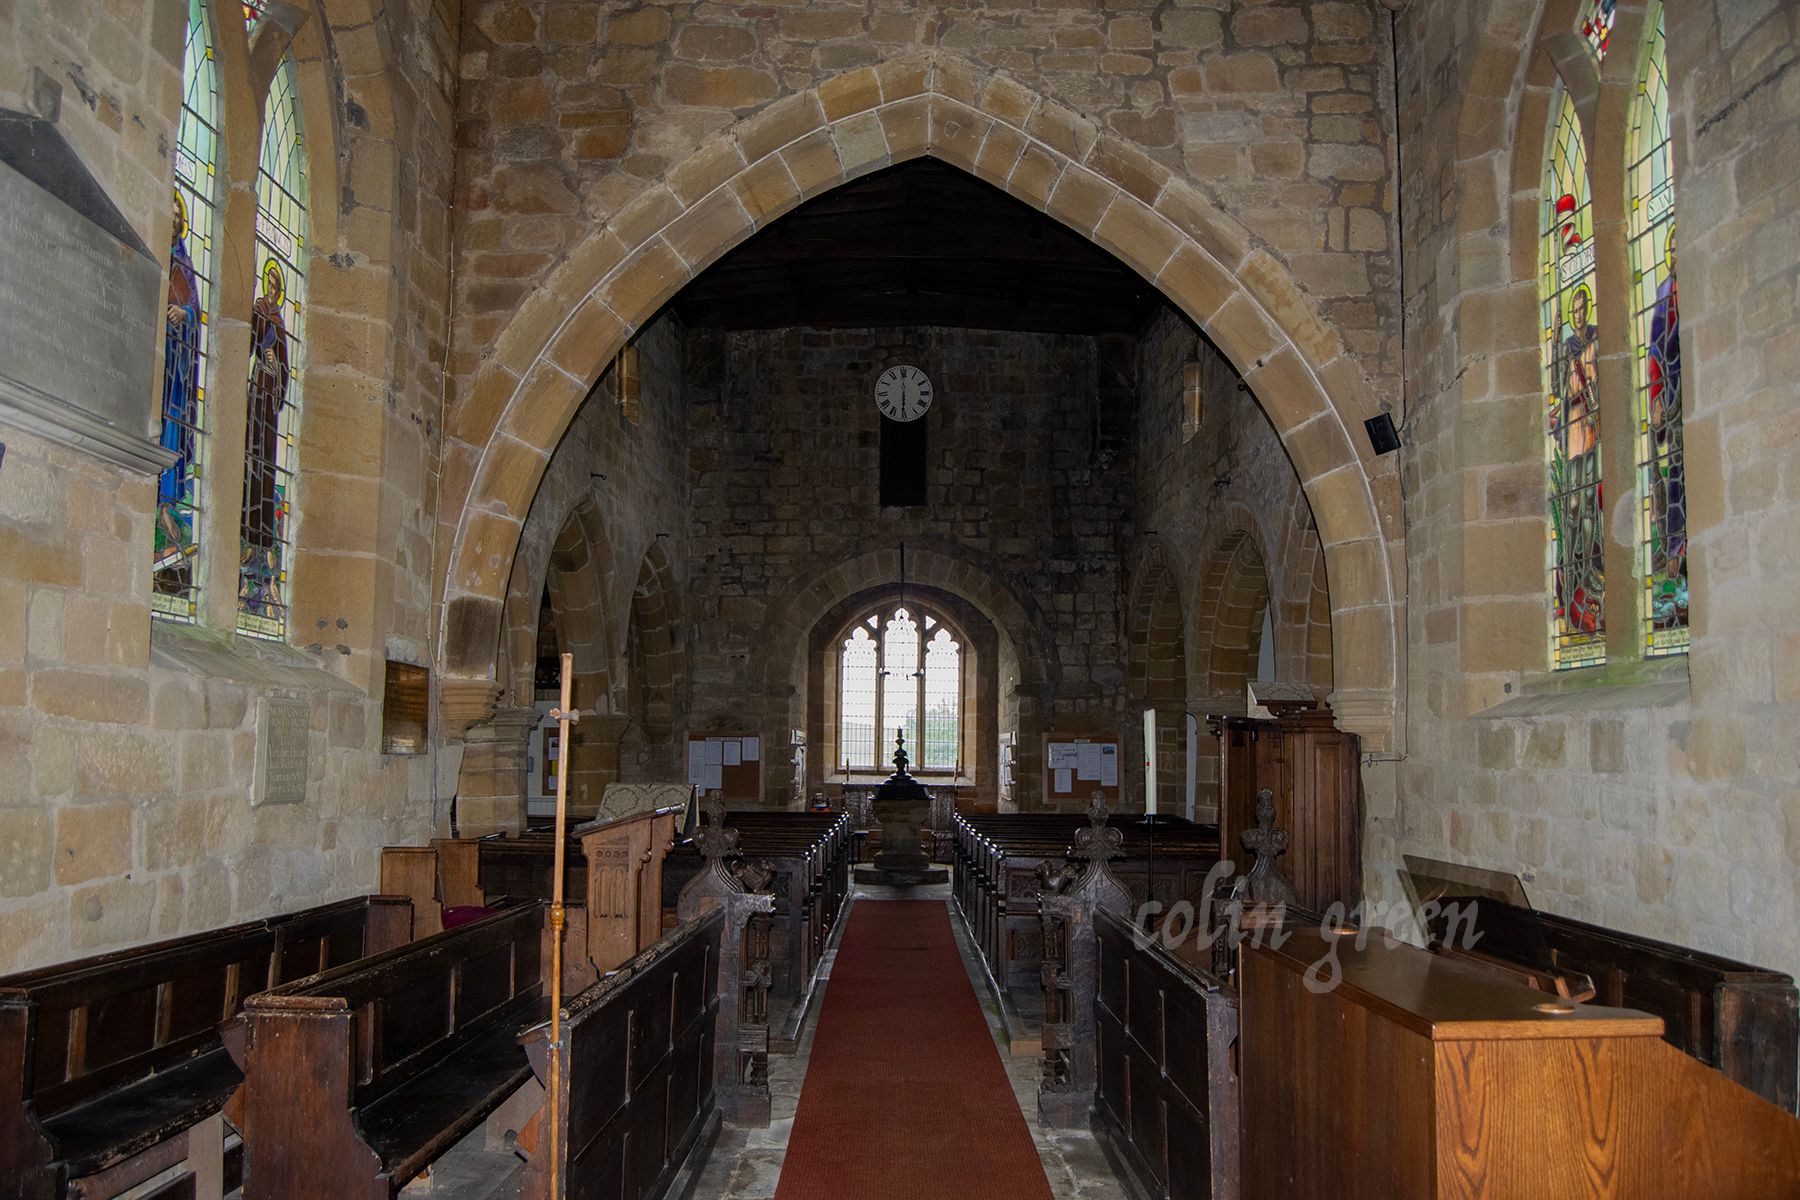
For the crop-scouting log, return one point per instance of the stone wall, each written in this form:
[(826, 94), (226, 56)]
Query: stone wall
[(1658, 798), (1279, 111), (130, 751), (1029, 491), (617, 485), (1217, 498)]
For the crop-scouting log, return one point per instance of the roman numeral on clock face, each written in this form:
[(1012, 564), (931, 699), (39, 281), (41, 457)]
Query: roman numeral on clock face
[(903, 393)]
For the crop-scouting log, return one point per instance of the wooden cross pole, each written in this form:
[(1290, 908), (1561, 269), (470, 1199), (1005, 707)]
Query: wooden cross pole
[(564, 715)]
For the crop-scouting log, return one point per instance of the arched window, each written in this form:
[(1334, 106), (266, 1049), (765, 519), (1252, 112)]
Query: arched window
[(277, 332), (1570, 361), (1656, 357), (900, 667), (187, 335)]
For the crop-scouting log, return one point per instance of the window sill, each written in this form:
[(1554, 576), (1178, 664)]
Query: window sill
[(213, 655), (1643, 683)]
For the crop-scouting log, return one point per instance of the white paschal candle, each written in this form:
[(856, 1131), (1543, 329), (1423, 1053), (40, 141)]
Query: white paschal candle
[(1150, 761)]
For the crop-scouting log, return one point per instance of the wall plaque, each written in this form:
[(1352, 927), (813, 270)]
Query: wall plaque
[(79, 299), (283, 750)]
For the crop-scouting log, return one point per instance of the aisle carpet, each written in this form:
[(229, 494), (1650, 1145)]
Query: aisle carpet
[(905, 1095)]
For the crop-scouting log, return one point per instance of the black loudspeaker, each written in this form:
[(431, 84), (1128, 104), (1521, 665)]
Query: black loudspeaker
[(1383, 437)]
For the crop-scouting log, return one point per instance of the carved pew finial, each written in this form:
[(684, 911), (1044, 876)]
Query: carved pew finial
[(1266, 883)]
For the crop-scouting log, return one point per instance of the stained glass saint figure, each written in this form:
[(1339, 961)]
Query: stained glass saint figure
[(263, 499), (1668, 493), (1579, 583), (181, 382)]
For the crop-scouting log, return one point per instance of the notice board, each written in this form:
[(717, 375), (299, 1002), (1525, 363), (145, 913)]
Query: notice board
[(728, 763), (1076, 765)]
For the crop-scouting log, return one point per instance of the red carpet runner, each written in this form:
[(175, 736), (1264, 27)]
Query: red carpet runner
[(905, 1095)]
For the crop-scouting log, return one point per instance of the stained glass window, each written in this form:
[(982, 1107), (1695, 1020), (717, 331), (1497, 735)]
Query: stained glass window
[(187, 329), (1595, 24), (253, 11), (1656, 359), (277, 331), (1570, 353), (899, 666)]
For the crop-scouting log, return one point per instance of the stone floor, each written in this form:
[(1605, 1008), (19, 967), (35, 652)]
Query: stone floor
[(745, 1164)]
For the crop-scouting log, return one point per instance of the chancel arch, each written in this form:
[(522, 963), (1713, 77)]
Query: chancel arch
[(547, 358)]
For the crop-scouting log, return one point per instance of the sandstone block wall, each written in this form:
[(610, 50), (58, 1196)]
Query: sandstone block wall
[(1279, 111), (1656, 798), (1029, 488), (127, 752)]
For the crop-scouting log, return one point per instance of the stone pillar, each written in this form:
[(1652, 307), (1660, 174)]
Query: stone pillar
[(490, 796), (593, 760)]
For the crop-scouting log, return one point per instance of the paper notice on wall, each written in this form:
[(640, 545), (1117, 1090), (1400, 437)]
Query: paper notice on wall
[(1088, 761), (1109, 766), (1064, 756), (1065, 782), (713, 779), (734, 752), (752, 749), (697, 764), (715, 752)]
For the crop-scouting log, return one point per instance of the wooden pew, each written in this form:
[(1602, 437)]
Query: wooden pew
[(1730, 1015), (632, 1084), (997, 858), (809, 856), (1419, 1077), (1166, 1092), (614, 865), (115, 1069), (358, 1078), (623, 882)]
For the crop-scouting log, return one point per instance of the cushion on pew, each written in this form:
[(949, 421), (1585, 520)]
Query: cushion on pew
[(463, 914)]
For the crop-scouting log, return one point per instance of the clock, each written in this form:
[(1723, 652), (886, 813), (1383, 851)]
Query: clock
[(903, 393)]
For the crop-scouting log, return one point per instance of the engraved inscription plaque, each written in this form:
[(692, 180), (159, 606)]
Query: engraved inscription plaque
[(283, 744), (79, 306)]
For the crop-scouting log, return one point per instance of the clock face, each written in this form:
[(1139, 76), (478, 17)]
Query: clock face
[(903, 393)]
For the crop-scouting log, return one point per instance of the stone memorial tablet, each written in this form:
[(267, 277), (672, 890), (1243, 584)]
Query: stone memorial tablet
[(79, 296), (283, 750)]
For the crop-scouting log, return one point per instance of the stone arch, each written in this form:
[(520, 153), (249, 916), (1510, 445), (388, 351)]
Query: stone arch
[(1302, 599), (547, 358), (1157, 630), (1234, 598), (656, 651)]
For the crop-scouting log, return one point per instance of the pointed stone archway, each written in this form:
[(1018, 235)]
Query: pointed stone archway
[(503, 430)]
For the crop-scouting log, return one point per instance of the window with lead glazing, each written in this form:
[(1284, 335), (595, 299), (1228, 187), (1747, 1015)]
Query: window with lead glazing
[(277, 334), (187, 327), (1656, 358), (900, 669), (1570, 338)]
